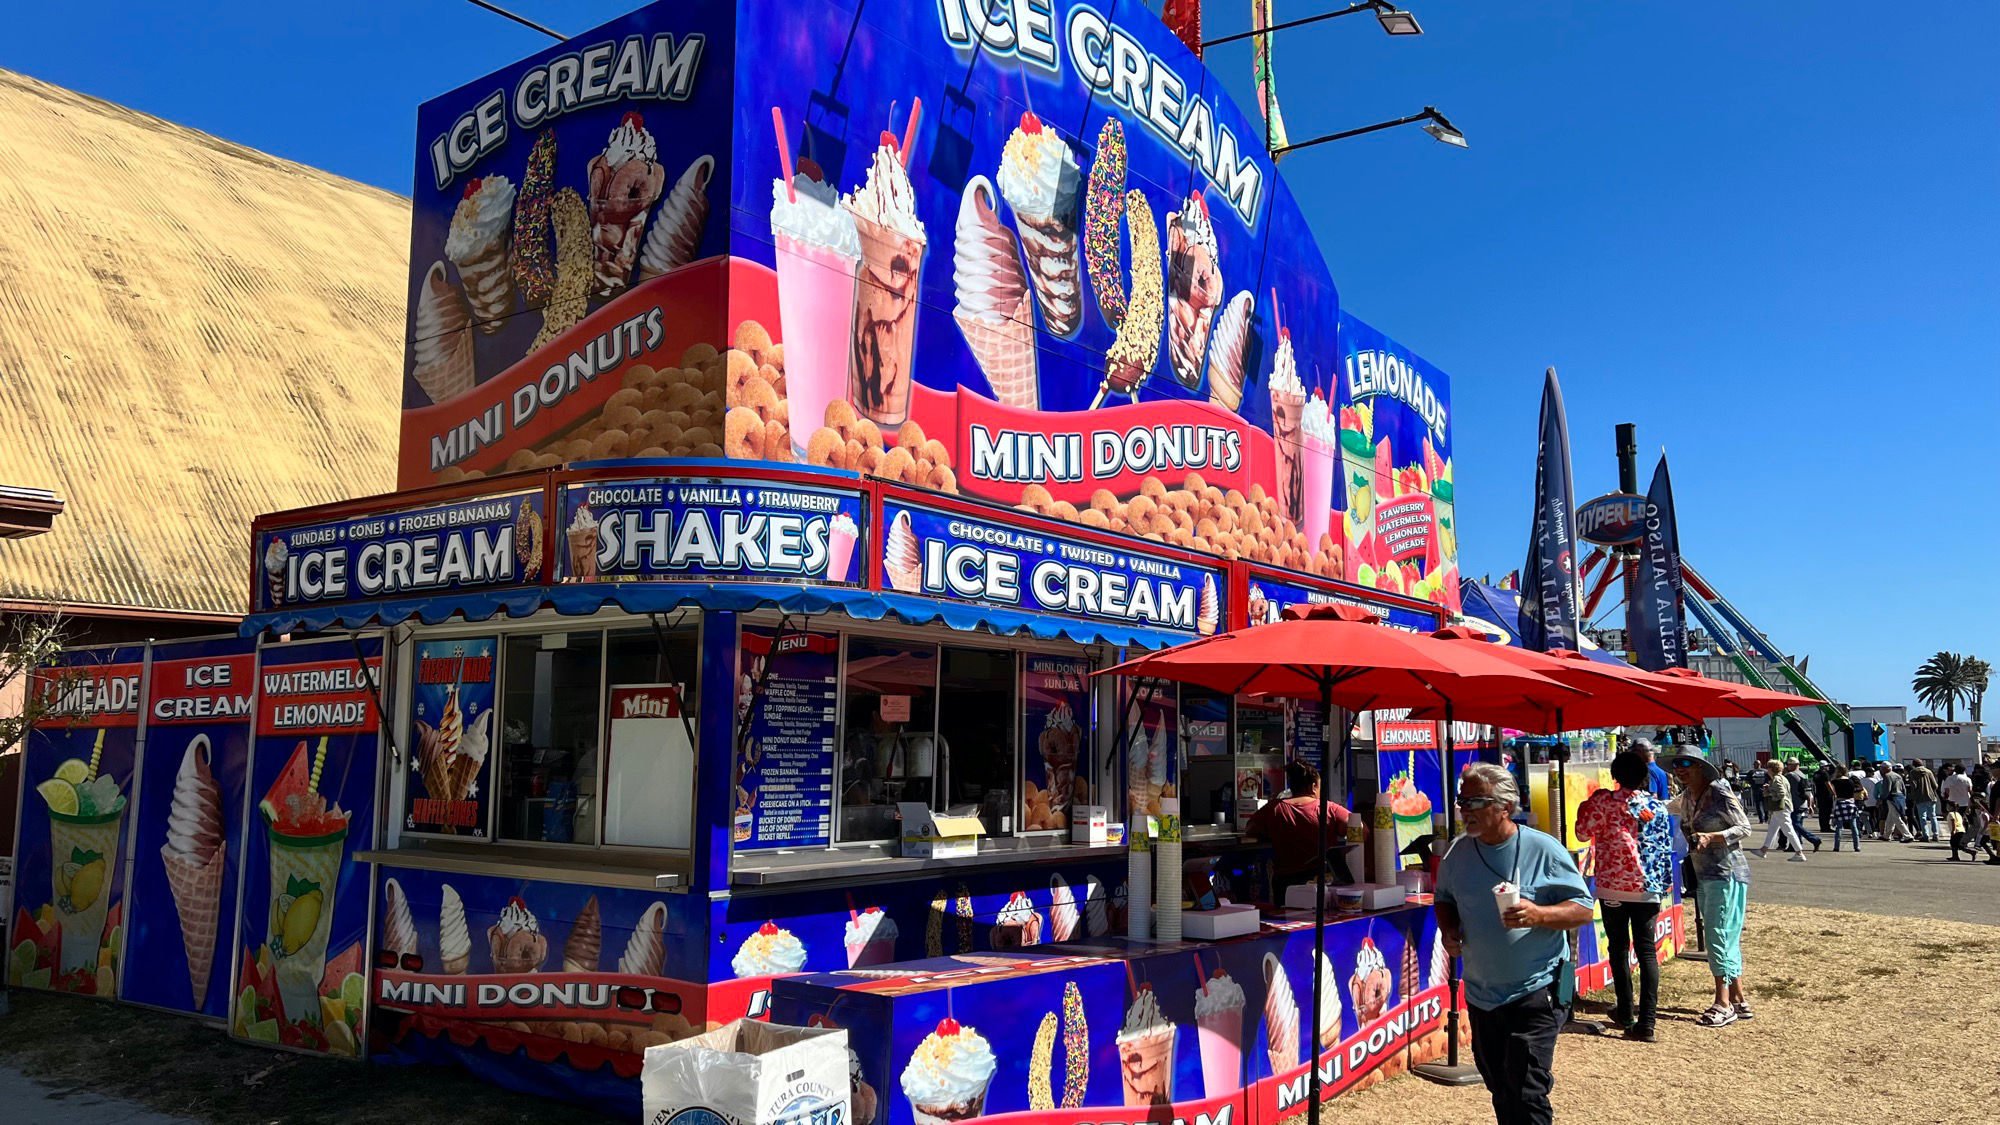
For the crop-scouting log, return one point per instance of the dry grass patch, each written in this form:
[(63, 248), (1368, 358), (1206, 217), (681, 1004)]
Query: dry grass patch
[(1832, 990)]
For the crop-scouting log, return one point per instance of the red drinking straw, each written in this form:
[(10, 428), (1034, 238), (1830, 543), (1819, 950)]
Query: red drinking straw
[(910, 130), (784, 153)]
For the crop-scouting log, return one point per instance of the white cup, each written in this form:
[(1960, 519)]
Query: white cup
[(1505, 896)]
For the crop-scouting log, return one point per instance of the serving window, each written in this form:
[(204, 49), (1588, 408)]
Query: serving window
[(889, 717), (569, 766), (890, 750)]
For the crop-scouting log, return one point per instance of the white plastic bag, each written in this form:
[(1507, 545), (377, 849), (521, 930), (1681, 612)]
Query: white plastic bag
[(749, 1073)]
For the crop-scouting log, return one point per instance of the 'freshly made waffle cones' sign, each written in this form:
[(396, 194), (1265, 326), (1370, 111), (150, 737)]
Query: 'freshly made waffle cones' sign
[(449, 780), (1026, 252)]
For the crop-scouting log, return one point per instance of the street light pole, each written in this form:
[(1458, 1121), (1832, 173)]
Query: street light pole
[(1439, 126), (1394, 21)]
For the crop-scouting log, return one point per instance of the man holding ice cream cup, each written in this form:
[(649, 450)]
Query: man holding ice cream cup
[(1506, 897)]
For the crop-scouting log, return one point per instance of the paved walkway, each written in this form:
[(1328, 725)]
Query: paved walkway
[(1911, 880), (30, 1102)]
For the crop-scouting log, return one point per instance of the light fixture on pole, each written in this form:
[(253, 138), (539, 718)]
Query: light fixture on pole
[(1394, 20), (1437, 125), (1441, 128)]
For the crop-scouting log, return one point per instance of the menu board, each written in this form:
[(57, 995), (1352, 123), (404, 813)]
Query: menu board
[(787, 699), (1309, 733)]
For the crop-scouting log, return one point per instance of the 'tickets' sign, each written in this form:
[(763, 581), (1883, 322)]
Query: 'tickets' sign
[(1031, 254), (656, 529), (943, 555), (464, 545)]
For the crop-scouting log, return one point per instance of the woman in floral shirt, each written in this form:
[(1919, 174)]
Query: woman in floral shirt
[(1633, 848)]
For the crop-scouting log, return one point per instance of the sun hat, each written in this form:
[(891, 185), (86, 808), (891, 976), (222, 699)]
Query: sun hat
[(1694, 761)]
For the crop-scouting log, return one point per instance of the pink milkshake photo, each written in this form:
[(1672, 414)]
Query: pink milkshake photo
[(1218, 1017), (840, 537), (818, 256), (1317, 455)]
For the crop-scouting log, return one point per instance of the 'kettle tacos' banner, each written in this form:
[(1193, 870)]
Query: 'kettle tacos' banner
[(1033, 255)]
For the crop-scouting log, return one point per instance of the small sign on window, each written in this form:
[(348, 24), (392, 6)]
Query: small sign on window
[(896, 708)]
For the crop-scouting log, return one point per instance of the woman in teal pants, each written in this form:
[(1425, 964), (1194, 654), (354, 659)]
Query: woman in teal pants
[(1716, 827)]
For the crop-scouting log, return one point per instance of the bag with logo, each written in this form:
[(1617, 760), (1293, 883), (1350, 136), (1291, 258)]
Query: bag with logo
[(749, 1073)]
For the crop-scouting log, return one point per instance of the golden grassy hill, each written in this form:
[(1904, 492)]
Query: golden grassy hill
[(191, 333)]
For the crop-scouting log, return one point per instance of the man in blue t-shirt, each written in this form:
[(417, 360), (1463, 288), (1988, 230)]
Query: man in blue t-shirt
[(1656, 778), (1517, 994)]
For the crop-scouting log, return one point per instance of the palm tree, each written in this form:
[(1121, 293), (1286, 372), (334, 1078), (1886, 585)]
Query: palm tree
[(1941, 681), (1977, 672)]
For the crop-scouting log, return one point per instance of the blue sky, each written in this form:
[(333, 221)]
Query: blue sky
[(1765, 233)]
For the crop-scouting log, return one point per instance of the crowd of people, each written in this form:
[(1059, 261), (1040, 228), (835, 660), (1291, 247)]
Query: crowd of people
[(1888, 802)]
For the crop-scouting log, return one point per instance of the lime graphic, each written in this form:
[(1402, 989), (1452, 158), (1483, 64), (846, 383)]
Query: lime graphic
[(60, 795), (353, 990)]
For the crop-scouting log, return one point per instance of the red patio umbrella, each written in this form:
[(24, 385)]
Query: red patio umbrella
[(1339, 654), (1619, 695), (1755, 702)]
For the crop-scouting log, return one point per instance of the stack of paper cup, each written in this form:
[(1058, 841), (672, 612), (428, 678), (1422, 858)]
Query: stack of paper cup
[(1169, 920), (1139, 890), (1382, 841)]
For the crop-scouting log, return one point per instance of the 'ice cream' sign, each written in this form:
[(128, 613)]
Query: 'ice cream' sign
[(949, 556), (646, 529), (490, 541), (1115, 65), (597, 74)]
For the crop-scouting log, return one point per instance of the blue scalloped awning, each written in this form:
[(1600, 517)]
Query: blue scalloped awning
[(656, 597)]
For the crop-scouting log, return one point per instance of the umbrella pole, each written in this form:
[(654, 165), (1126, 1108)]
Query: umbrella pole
[(1450, 1072), (1319, 910)]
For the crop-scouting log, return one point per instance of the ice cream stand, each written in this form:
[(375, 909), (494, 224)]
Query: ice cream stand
[(789, 435)]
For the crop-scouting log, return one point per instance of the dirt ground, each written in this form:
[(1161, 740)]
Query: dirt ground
[(1892, 1020), (179, 1067)]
